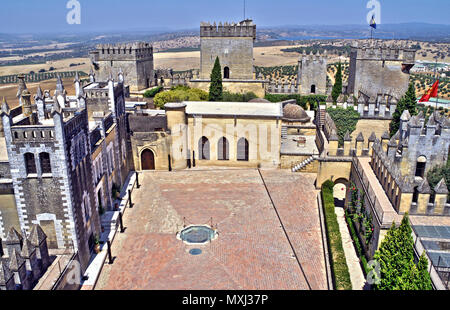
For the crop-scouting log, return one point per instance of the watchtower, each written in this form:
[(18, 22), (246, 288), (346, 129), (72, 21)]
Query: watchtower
[(233, 44), (134, 59), (378, 68), (312, 74)]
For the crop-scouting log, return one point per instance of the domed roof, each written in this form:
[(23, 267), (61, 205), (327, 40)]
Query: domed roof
[(295, 112), (260, 100)]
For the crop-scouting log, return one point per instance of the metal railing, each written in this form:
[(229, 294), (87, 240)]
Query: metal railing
[(436, 272), (63, 270)]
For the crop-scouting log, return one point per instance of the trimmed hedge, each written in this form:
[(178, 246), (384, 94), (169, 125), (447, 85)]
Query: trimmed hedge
[(237, 97), (341, 275), (153, 92), (313, 100), (345, 121)]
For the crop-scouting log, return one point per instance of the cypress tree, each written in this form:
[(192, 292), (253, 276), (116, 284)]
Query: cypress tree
[(337, 88), (407, 102), (216, 88), (396, 258)]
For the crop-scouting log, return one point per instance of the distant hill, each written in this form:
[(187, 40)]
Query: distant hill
[(412, 31)]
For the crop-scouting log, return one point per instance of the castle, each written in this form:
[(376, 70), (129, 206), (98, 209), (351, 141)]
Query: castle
[(135, 60), (63, 157)]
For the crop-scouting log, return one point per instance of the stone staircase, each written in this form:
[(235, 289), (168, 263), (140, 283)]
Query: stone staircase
[(304, 163)]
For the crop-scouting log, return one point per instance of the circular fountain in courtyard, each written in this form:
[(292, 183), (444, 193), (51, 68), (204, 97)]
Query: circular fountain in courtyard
[(197, 234)]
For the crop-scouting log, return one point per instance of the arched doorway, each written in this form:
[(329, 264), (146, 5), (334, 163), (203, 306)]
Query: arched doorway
[(226, 73), (223, 152), (313, 89), (203, 148), (242, 149), (147, 160)]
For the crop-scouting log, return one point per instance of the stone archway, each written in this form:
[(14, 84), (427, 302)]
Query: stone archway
[(147, 160), (340, 190)]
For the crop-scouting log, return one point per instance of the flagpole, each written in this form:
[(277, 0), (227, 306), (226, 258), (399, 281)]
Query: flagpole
[(435, 71)]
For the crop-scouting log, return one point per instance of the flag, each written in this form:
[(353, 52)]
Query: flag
[(431, 93), (373, 23)]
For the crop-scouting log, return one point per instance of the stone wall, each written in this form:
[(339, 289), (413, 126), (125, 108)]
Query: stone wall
[(380, 70), (288, 161), (312, 75), (236, 53), (367, 126), (264, 150)]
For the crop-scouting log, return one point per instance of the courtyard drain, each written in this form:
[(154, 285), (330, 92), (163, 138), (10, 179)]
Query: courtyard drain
[(195, 252), (197, 234)]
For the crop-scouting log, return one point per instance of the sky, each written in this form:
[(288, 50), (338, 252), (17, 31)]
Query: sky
[(44, 16)]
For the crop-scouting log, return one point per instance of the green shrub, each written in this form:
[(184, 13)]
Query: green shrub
[(345, 121), (152, 92), (178, 94), (339, 266)]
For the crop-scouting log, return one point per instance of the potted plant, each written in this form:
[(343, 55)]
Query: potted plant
[(97, 244)]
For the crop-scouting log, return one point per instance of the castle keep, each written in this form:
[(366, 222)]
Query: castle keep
[(233, 44), (312, 74), (135, 60), (380, 69)]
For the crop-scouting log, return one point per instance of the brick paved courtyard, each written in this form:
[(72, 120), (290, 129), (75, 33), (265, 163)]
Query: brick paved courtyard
[(252, 250)]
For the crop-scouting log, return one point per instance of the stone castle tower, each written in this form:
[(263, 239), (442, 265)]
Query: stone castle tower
[(135, 60), (380, 69), (233, 44), (312, 74)]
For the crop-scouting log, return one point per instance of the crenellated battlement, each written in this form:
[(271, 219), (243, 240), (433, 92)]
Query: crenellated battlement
[(244, 28), (126, 51), (307, 59), (134, 60), (382, 106), (382, 51)]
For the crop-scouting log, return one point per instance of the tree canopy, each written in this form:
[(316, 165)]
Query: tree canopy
[(407, 102), (178, 94), (337, 88), (398, 271)]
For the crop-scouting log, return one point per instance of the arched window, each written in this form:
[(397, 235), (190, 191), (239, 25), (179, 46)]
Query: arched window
[(226, 73), (223, 149), (46, 167), (420, 166), (203, 148), (313, 89), (242, 149), (30, 163)]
